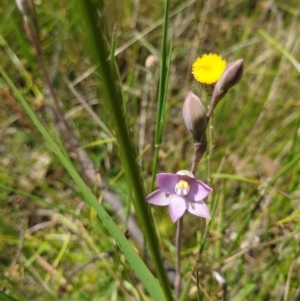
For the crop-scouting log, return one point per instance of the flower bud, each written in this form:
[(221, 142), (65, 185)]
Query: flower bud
[(232, 75), (151, 61), (194, 116)]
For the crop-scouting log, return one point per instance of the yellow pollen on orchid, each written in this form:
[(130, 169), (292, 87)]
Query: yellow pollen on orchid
[(182, 187), (208, 68)]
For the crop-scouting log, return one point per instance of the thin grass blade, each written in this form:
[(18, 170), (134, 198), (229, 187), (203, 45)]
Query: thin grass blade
[(137, 264)]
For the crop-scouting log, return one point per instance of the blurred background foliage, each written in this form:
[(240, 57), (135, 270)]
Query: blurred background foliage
[(46, 231)]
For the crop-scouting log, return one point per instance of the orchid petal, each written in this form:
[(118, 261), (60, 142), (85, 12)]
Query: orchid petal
[(158, 198), (177, 207), (199, 209), (167, 182), (198, 190)]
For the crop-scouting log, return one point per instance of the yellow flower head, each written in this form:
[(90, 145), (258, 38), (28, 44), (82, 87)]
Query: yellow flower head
[(208, 68)]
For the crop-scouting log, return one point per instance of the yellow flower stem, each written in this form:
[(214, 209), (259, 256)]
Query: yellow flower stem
[(210, 150)]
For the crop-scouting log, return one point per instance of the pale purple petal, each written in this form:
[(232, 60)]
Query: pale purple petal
[(177, 207), (198, 190), (158, 198), (167, 182), (199, 209)]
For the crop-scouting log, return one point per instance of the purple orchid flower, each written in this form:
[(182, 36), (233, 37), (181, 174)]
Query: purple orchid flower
[(181, 191)]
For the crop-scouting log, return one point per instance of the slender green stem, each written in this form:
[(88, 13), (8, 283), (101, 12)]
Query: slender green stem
[(162, 93), (210, 151), (154, 165), (114, 101)]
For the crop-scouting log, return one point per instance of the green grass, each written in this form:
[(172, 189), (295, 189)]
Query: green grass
[(46, 227)]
